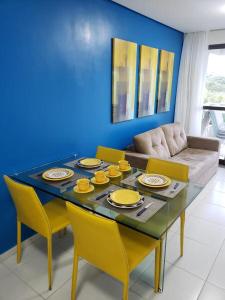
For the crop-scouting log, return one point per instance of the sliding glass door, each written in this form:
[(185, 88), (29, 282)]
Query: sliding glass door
[(213, 121)]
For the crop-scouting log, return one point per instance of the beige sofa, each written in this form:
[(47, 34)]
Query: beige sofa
[(171, 143)]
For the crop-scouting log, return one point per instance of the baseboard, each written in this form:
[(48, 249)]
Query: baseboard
[(25, 244)]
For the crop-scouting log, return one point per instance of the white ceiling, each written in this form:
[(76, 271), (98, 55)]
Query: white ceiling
[(183, 15)]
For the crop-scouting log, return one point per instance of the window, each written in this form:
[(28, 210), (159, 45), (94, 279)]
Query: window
[(215, 78)]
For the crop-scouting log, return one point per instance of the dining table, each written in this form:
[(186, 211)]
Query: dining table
[(155, 222)]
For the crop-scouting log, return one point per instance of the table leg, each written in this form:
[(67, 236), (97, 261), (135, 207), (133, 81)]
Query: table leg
[(162, 253)]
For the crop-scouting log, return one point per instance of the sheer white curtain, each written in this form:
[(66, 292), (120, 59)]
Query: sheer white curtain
[(191, 82)]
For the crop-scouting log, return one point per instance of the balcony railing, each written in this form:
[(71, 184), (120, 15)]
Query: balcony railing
[(213, 125)]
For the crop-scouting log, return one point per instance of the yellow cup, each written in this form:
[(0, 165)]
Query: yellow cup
[(100, 176), (112, 170), (124, 165), (83, 184)]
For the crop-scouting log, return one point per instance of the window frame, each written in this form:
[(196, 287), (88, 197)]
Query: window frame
[(210, 107)]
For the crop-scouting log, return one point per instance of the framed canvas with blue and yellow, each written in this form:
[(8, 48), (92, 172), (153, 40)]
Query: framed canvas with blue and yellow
[(147, 80), (123, 80), (165, 80)]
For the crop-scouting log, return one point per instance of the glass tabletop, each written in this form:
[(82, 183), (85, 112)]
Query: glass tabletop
[(156, 226)]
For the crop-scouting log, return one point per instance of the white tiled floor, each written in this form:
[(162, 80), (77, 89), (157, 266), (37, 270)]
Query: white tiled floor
[(200, 274)]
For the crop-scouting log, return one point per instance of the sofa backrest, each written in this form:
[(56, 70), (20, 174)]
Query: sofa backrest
[(175, 137), (153, 143)]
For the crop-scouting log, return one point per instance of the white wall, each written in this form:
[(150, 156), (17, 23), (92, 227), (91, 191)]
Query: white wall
[(217, 37)]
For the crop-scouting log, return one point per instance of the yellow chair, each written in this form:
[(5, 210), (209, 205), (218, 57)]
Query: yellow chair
[(113, 248), (110, 154), (176, 171), (45, 219), (171, 169)]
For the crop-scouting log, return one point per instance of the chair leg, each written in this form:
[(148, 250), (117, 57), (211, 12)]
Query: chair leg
[(50, 262), (125, 289), (157, 268), (74, 276), (18, 241), (182, 222)]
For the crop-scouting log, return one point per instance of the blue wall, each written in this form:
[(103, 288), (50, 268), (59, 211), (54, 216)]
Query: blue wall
[(55, 86)]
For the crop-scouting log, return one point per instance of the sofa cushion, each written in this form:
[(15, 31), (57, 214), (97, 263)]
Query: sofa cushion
[(175, 137), (199, 161), (153, 143)]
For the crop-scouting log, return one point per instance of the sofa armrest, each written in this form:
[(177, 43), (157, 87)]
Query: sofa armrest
[(130, 148), (137, 160), (212, 144)]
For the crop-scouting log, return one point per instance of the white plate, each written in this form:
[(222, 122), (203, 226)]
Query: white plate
[(153, 180), (57, 174)]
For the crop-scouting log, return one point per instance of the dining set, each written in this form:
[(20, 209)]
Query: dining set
[(107, 202)]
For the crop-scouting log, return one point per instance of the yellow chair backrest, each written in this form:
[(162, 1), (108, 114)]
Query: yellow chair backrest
[(171, 169), (28, 206), (110, 154), (98, 240)]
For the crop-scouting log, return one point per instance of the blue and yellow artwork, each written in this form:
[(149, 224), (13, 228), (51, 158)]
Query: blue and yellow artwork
[(147, 81), (123, 80), (165, 80)]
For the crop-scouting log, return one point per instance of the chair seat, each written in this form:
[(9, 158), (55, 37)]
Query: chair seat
[(57, 214), (137, 245)]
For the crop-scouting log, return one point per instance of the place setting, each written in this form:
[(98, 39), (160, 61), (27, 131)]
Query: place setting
[(124, 198), (128, 202), (88, 164), (57, 174), (155, 183), (62, 178)]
